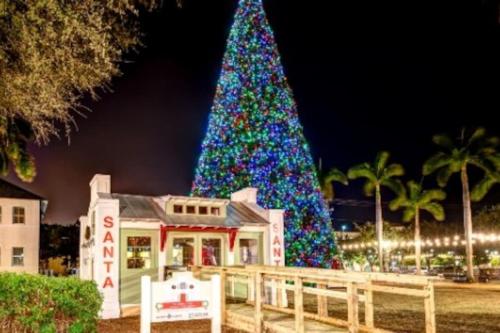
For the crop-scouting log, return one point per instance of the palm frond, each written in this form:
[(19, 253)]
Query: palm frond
[(432, 195), (369, 188), (484, 186), (435, 162), (394, 185), (483, 163), (409, 214), (336, 175), (414, 189), (363, 170), (443, 141), (399, 201), (478, 134), (444, 175), (394, 170), (435, 209), (381, 161)]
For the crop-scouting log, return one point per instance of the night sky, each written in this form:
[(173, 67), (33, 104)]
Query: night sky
[(366, 76)]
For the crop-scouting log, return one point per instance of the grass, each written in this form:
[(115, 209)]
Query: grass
[(457, 311)]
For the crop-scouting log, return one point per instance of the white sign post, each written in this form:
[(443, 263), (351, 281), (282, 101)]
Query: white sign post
[(180, 298)]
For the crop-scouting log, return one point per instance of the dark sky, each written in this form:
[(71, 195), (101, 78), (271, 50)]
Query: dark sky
[(366, 76)]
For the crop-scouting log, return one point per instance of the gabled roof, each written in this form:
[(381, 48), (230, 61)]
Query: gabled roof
[(142, 207), (9, 190), (136, 206)]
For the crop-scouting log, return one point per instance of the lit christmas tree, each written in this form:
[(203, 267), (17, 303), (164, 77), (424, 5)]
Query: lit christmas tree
[(255, 139)]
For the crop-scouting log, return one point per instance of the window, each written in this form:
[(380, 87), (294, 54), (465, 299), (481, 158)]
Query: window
[(203, 210), (0, 214), (215, 211), (17, 256), (183, 252), (249, 251), (211, 252), (178, 209), (191, 209), (18, 215), (138, 252)]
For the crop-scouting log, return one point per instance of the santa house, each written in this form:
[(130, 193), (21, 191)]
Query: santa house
[(124, 237)]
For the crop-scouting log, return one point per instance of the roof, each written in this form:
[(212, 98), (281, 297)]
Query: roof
[(136, 206), (146, 208), (9, 190), (238, 214)]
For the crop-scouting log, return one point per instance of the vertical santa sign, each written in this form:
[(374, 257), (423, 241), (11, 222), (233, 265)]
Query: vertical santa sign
[(107, 237), (276, 238)]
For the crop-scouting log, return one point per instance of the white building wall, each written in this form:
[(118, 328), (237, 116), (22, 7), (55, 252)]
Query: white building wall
[(25, 235)]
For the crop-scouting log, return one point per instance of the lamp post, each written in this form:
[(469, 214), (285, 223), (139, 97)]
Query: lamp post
[(344, 227)]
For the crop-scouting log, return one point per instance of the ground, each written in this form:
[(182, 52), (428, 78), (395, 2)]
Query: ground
[(457, 311)]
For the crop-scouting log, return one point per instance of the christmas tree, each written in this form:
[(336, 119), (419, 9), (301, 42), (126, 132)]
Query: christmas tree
[(255, 139)]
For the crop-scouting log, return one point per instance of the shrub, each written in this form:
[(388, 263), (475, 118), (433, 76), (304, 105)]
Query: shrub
[(36, 303)]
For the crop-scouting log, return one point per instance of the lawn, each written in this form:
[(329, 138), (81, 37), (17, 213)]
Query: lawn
[(457, 311)]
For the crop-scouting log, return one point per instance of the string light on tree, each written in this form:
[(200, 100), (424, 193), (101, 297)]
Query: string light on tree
[(254, 138)]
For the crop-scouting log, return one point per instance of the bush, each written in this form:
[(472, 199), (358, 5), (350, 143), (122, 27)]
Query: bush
[(36, 303)]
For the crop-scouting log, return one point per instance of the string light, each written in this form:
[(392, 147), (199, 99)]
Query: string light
[(255, 139), (436, 242)]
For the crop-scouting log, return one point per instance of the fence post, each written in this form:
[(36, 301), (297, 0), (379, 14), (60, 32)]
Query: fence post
[(218, 305), (352, 307), (369, 321), (258, 301), (299, 305), (251, 287), (223, 276), (430, 309), (145, 304), (322, 302)]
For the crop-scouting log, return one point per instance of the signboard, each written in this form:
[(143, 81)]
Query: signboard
[(277, 242), (106, 269), (180, 298)]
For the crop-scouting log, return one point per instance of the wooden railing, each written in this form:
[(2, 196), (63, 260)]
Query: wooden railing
[(267, 288)]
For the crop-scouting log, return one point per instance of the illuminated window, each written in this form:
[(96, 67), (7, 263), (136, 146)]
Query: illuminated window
[(138, 252), (17, 256), (191, 209), (203, 210), (183, 252), (211, 252), (18, 216), (249, 251), (215, 211)]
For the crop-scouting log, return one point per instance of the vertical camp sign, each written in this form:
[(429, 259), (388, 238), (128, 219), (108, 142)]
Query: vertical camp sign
[(180, 298)]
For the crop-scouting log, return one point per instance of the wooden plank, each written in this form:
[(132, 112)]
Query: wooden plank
[(352, 308), (396, 290), (299, 305), (430, 310), (369, 313), (223, 296), (322, 302), (258, 302)]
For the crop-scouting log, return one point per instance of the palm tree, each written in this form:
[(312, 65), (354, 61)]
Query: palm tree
[(377, 175), (455, 156), (327, 178), (413, 200)]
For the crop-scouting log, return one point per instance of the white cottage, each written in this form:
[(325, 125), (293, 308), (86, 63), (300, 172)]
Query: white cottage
[(126, 236), (21, 213)]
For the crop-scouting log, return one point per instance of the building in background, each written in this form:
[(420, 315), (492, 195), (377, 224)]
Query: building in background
[(124, 237), (21, 213)]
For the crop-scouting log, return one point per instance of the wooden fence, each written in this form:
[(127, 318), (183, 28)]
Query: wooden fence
[(268, 288)]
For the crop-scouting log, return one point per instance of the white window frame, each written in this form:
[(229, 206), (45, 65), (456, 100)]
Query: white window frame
[(16, 215), (17, 256)]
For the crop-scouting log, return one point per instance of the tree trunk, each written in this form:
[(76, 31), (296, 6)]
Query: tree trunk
[(467, 223), (379, 226), (417, 242)]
